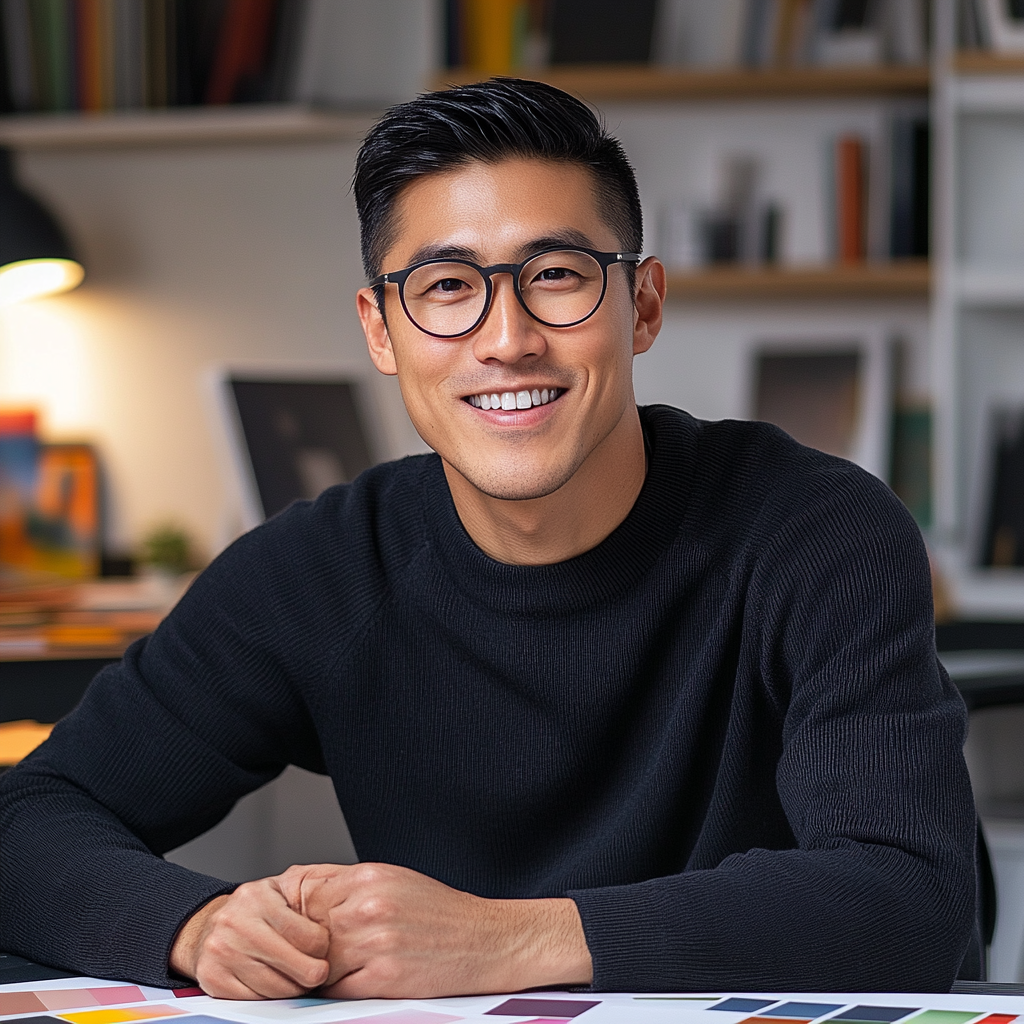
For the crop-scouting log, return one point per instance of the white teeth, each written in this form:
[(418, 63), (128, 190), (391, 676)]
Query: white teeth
[(512, 400)]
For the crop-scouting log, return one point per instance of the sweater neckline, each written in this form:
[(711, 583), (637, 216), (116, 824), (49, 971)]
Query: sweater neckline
[(593, 577)]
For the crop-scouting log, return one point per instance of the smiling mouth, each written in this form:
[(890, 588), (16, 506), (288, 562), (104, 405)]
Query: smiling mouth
[(510, 401)]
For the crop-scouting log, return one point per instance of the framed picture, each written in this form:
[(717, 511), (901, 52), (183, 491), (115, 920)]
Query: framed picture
[(832, 394), (58, 529), (1005, 23), (291, 437)]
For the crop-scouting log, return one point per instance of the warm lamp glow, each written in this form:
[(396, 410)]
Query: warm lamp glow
[(31, 279)]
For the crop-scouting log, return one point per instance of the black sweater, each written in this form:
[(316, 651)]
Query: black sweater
[(723, 732)]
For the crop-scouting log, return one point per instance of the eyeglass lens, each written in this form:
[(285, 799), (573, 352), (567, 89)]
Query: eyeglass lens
[(558, 288)]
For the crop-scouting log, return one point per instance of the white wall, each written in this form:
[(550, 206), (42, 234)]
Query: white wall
[(195, 257)]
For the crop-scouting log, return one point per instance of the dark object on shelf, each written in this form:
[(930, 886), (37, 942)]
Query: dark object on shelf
[(911, 185), (1003, 542), (771, 234), (301, 436), (719, 235), (601, 31), (910, 473)]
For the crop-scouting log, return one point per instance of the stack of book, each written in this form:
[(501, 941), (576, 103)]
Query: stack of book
[(96, 55), (498, 36), (994, 25)]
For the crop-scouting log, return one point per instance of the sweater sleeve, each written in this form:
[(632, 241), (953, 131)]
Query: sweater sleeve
[(877, 893), (160, 748)]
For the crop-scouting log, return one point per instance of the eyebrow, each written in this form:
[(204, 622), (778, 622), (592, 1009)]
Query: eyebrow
[(569, 238)]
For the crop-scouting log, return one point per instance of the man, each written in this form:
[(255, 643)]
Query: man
[(608, 696)]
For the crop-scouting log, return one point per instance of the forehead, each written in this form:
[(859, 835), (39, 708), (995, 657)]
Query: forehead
[(492, 208)]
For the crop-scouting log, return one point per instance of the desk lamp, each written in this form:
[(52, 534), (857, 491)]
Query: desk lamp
[(35, 255)]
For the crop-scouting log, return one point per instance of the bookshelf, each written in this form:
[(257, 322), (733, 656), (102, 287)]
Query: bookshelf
[(181, 126), (630, 83), (977, 304), (904, 278)]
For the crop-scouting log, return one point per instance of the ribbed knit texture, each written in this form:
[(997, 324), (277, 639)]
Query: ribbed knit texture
[(723, 732)]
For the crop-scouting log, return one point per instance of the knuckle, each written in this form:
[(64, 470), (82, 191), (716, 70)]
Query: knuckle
[(369, 874)]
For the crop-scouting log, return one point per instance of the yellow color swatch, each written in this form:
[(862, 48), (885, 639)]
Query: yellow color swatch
[(121, 1016)]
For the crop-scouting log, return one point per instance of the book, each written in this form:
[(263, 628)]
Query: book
[(910, 189), (489, 35), (129, 54), (850, 195), (601, 31), (19, 52), (241, 50), (910, 471), (1003, 537), (90, 41)]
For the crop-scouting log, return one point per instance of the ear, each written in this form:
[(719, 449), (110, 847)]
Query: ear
[(378, 341), (648, 303)]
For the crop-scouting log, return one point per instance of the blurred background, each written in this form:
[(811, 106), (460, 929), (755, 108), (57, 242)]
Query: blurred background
[(836, 187)]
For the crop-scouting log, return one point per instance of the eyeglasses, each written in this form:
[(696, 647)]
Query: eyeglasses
[(557, 287)]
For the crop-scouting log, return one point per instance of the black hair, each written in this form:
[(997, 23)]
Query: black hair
[(488, 121)]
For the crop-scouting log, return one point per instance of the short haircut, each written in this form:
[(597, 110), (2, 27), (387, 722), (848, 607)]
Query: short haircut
[(490, 121)]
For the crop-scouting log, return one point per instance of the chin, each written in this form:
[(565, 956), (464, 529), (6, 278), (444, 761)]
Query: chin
[(520, 485)]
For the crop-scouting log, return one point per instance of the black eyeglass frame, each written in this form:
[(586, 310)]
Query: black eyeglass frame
[(603, 259)]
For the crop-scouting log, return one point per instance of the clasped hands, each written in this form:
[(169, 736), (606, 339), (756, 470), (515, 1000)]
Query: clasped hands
[(376, 930)]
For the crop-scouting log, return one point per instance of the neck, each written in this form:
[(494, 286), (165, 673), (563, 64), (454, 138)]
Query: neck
[(567, 522)]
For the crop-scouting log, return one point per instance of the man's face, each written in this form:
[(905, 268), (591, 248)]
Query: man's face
[(503, 213)]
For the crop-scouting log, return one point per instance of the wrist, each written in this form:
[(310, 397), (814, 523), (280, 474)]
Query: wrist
[(185, 947), (552, 948)]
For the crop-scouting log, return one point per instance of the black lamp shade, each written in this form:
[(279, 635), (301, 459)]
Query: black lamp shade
[(28, 231)]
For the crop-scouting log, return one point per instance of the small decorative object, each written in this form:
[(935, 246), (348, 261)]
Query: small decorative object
[(168, 548)]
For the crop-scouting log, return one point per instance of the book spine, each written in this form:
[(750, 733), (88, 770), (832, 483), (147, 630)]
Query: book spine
[(901, 208), (155, 30), (90, 55), (850, 152), (920, 202), (287, 41), (108, 57), (227, 63), (129, 54), (18, 39), (490, 35)]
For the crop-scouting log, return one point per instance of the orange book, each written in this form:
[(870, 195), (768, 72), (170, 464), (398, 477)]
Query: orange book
[(241, 48), (90, 40), (850, 199), (490, 27)]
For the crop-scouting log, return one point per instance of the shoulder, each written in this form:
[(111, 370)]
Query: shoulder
[(750, 482), (335, 556)]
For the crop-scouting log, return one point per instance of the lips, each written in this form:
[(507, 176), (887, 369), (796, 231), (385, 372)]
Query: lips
[(510, 401)]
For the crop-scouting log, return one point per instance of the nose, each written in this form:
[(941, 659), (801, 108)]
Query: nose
[(508, 333)]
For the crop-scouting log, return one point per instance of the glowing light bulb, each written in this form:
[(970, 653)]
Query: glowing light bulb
[(31, 279)]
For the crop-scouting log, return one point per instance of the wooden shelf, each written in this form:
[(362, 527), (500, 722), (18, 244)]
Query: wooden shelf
[(906, 278), (178, 126), (984, 62), (640, 82)]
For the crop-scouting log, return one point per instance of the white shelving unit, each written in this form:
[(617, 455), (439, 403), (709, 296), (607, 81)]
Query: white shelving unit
[(977, 305)]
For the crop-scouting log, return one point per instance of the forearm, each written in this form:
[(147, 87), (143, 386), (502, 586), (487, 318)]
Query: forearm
[(845, 919), (79, 891)]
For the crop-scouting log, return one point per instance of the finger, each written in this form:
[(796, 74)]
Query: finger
[(261, 983), (308, 936), (237, 943)]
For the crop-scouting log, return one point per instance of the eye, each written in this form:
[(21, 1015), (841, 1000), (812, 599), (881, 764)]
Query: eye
[(450, 284), (556, 274)]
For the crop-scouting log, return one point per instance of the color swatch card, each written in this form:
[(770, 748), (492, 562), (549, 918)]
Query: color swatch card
[(90, 1001)]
